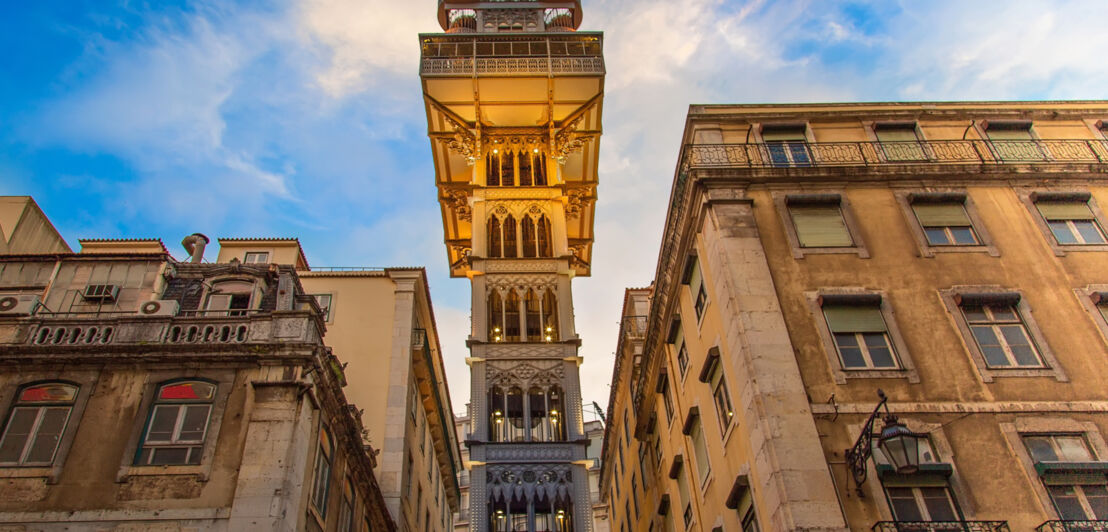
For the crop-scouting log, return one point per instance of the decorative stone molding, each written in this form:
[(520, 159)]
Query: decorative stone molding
[(568, 140), (530, 453), (541, 373), (525, 193), (464, 142), (521, 265), (458, 199), (517, 208), (524, 351), (576, 198), (529, 481)]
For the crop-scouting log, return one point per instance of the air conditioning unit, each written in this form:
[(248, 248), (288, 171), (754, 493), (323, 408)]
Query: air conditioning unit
[(18, 304), (101, 292), (159, 307)]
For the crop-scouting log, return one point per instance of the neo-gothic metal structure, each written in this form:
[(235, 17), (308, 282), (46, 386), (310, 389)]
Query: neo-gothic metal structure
[(513, 96)]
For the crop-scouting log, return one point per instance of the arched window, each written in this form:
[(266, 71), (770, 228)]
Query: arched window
[(539, 166), (495, 238), (526, 177), (496, 317), (178, 424), (511, 318), (539, 415), (497, 430), (36, 423), (510, 237), (508, 515), (514, 415), (555, 405), (527, 232), (543, 237), (550, 316), (499, 168), (554, 515), (533, 306)]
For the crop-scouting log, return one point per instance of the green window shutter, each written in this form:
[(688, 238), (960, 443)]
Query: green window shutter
[(694, 278), (783, 134), (1008, 134), (941, 214), (1065, 210), (820, 226), (849, 319), (897, 134)]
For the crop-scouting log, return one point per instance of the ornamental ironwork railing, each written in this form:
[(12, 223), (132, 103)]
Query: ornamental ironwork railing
[(1073, 526), (800, 154), (490, 54), (634, 327), (941, 526)]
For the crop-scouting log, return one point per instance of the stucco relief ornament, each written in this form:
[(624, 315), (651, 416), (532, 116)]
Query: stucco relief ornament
[(575, 201), (459, 201), (464, 142), (568, 140), (502, 210)]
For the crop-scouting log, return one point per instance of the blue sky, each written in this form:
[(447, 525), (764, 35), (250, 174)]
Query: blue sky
[(304, 117)]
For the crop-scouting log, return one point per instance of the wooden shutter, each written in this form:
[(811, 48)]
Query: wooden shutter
[(849, 319), (1065, 210), (941, 214), (820, 226)]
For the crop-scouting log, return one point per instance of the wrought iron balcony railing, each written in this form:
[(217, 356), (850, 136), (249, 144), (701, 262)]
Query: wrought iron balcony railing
[(634, 327), (1073, 526), (799, 154), (467, 54), (941, 526)]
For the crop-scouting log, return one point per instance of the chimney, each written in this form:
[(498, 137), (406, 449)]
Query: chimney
[(194, 244)]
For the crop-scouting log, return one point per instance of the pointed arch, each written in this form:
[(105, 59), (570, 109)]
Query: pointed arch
[(492, 169), (509, 238), (527, 236), (496, 316), (511, 317), (550, 316), (543, 241), (526, 169), (533, 307), (539, 166), (495, 238)]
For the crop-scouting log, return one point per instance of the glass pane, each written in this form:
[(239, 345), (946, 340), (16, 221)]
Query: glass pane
[(879, 351), (187, 391), (162, 423), (15, 437), (963, 236), (974, 314), (939, 507), (1040, 448), (990, 346), (1089, 232), (1020, 345), (1003, 313), (196, 421), (936, 236), (48, 435), (1073, 448), (169, 456), (1062, 232), (51, 392), (799, 152), (904, 504), (777, 153), (1066, 501), (849, 351), (1097, 497), (195, 453)]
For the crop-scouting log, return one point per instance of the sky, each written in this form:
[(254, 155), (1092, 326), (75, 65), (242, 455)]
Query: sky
[(304, 118)]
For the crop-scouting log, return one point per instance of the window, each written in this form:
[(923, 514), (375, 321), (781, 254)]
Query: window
[(667, 401), (36, 424), (922, 504), (256, 257), (1058, 448), (750, 521), (683, 358), (677, 340), (686, 498), (321, 473), (1071, 222), (1080, 502), (820, 224), (346, 513), (634, 495), (899, 141), (230, 298), (694, 278), (502, 240), (860, 334), (786, 145), (177, 425), (694, 429), (1012, 141), (712, 373), (324, 302), (945, 223), (1000, 334)]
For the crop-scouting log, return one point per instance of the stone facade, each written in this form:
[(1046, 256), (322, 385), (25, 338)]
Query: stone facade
[(944, 253), (148, 406)]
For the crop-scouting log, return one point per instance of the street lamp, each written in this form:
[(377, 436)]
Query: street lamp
[(899, 444)]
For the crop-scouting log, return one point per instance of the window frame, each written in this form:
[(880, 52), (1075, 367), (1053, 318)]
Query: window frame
[(9, 396), (873, 129), (327, 311), (1092, 298), (818, 298), (907, 199), (223, 379), (1015, 430), (1030, 197), (179, 418), (1051, 366), (782, 200), (263, 254), (790, 145)]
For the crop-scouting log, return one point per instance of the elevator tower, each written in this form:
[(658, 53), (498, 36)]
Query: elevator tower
[(513, 96)]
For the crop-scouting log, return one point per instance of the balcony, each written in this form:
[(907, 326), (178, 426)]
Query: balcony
[(798, 154), (634, 327), (940, 526), (1073, 526), (492, 54)]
